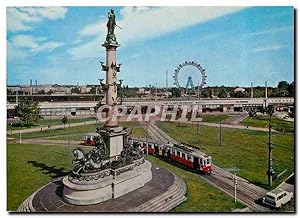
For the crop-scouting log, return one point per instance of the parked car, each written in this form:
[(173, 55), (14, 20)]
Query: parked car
[(277, 198)]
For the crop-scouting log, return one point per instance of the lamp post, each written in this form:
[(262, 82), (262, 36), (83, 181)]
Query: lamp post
[(270, 172), (147, 140), (235, 185), (69, 140), (10, 129), (269, 109), (220, 131)]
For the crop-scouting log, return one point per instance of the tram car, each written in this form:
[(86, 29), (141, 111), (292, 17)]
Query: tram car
[(184, 154), (89, 139)]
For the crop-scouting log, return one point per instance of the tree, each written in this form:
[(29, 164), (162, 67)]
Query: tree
[(176, 92), (29, 111), (75, 90), (283, 85), (222, 93), (64, 120), (291, 89)]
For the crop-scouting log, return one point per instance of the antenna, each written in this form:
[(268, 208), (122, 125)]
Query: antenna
[(167, 86)]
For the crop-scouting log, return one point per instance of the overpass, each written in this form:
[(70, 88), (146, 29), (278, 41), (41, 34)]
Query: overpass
[(223, 105)]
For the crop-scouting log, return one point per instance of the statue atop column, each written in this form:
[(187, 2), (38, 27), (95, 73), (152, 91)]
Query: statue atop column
[(111, 24)]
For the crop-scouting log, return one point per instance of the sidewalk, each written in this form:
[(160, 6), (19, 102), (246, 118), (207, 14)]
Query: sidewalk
[(233, 126), (43, 128)]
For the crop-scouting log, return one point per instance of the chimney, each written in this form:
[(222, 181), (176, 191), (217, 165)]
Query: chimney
[(266, 90), (251, 89)]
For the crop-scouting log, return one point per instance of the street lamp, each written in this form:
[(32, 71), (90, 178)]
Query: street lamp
[(10, 129), (220, 143), (270, 111)]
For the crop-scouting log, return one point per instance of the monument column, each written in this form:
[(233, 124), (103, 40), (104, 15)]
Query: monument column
[(112, 134), (111, 82)]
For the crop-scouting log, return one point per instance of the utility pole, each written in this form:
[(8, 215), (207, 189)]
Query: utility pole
[(235, 186), (251, 89), (69, 140), (220, 131), (270, 172), (11, 129), (20, 137), (147, 140), (266, 89), (50, 118), (167, 85)]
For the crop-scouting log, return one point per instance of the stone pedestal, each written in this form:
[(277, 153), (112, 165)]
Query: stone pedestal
[(93, 188), (131, 179), (114, 140)]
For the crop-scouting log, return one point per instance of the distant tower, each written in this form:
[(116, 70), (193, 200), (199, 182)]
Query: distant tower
[(167, 86), (30, 88), (266, 89), (251, 89)]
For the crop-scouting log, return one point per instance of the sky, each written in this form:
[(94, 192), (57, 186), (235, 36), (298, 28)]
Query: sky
[(235, 45)]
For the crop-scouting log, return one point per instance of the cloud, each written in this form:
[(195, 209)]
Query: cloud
[(22, 46), (272, 31), (24, 41), (47, 46), (22, 18), (267, 48), (143, 23), (14, 53)]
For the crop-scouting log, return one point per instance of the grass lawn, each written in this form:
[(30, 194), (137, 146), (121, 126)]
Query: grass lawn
[(243, 149), (202, 197), (31, 166), (214, 118), (46, 122), (78, 132), (277, 124)]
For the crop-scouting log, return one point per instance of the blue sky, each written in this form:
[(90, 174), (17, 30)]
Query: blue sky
[(235, 45)]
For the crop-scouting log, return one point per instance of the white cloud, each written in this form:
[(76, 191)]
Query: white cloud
[(272, 31), (93, 29), (14, 53), (267, 48), (22, 46), (24, 41), (141, 23), (87, 50), (22, 18), (47, 47)]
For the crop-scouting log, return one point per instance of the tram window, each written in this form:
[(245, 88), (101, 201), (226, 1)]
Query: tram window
[(201, 161), (183, 155), (173, 151), (208, 161), (188, 157), (178, 153)]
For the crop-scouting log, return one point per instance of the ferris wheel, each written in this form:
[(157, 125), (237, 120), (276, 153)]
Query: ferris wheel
[(190, 75)]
